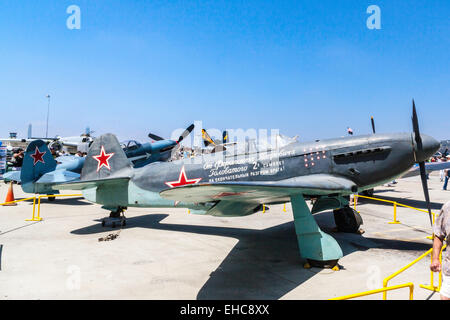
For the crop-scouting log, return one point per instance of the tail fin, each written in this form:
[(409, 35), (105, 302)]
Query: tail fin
[(37, 161), (206, 138), (225, 136), (105, 159)]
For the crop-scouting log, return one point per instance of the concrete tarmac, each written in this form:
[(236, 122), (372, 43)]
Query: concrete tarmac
[(171, 254)]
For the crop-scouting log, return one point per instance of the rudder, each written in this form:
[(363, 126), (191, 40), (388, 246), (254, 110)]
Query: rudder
[(105, 159), (37, 161)]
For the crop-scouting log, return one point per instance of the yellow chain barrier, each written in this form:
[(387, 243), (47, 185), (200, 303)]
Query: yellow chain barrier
[(384, 290)]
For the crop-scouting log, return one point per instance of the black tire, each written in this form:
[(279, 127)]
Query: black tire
[(322, 264), (51, 199), (103, 223), (347, 220)]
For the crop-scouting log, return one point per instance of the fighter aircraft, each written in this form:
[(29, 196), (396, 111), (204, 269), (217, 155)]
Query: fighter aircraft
[(233, 184), (160, 150)]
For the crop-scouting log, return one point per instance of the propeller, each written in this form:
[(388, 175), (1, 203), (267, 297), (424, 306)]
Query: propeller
[(373, 124), (186, 133), (423, 174), (180, 138), (177, 147)]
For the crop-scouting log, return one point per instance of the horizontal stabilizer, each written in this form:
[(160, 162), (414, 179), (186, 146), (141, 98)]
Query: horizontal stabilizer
[(87, 184), (11, 176), (59, 176)]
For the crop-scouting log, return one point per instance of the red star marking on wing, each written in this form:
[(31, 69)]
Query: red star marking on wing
[(37, 156), (182, 180), (103, 158)]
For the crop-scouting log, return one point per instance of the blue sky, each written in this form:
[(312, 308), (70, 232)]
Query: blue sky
[(307, 68)]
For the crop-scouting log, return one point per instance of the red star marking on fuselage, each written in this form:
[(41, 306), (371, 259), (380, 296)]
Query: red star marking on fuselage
[(37, 156), (182, 180), (103, 158)]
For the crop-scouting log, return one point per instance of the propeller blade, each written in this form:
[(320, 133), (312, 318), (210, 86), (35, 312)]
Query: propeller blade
[(423, 177), (416, 128), (155, 137), (423, 173), (173, 153), (186, 133), (373, 124)]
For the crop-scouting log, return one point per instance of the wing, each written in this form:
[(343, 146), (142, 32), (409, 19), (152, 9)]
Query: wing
[(259, 191), (429, 166)]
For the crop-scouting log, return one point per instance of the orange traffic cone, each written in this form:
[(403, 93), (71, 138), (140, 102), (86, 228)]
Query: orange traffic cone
[(10, 196)]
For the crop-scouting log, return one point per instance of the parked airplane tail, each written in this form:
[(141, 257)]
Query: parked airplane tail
[(37, 161), (105, 160)]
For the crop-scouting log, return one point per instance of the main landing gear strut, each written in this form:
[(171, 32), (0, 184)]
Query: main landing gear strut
[(319, 248)]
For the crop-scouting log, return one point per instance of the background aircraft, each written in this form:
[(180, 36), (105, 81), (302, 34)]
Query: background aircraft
[(68, 168), (160, 150), (69, 144), (235, 184)]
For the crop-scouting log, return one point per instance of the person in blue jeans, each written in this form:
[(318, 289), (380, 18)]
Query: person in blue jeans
[(447, 173)]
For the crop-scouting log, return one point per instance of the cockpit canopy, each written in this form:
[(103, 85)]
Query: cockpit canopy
[(130, 145)]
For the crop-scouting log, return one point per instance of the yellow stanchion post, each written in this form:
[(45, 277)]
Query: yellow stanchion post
[(33, 218), (264, 208), (38, 217), (410, 285), (431, 286), (395, 215), (284, 207), (385, 281)]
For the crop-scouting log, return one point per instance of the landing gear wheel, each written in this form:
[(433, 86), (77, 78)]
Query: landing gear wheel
[(329, 264), (347, 220), (115, 214), (50, 199)]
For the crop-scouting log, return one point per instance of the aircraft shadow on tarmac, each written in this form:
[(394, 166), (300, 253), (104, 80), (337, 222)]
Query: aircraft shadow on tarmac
[(264, 264)]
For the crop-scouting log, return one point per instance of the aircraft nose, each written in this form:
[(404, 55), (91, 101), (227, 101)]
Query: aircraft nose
[(429, 148)]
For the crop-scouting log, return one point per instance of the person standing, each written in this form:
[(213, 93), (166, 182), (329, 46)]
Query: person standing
[(441, 172), (441, 230), (447, 173)]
